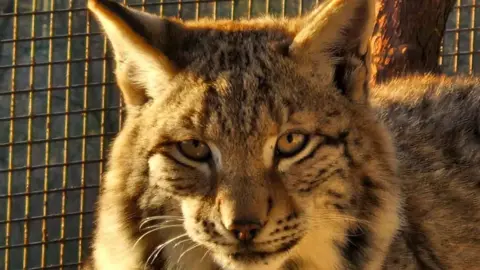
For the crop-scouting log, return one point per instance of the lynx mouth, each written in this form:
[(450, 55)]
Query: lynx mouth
[(253, 256)]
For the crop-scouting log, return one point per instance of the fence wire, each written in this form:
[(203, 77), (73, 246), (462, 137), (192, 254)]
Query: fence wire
[(460, 52), (59, 109)]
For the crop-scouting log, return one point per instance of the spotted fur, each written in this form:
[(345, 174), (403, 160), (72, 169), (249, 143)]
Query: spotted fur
[(352, 198)]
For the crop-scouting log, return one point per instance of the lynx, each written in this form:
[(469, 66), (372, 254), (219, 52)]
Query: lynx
[(257, 144)]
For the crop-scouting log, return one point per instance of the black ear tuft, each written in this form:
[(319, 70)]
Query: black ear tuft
[(126, 15), (336, 38)]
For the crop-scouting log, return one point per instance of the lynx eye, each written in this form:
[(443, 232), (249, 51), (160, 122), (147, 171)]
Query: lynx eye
[(291, 144), (194, 150)]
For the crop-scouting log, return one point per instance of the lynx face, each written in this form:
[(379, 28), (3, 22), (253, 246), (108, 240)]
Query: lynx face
[(253, 180), (256, 135)]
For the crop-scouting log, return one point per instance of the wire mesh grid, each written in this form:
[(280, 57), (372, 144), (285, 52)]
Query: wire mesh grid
[(59, 110), (460, 51)]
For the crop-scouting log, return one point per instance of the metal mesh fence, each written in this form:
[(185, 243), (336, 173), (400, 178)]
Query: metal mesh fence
[(461, 43), (59, 109)]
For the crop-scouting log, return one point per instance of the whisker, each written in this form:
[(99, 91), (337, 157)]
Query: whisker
[(183, 241), (163, 217), (364, 222), (150, 219), (204, 255), (153, 256), (161, 226), (151, 231), (331, 217), (143, 236), (185, 252), (163, 222)]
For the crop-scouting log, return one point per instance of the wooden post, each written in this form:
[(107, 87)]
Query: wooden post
[(407, 37)]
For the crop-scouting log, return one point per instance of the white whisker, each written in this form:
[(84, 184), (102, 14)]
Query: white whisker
[(143, 236), (183, 241), (160, 226), (186, 251), (159, 249), (336, 217), (204, 255), (154, 229), (163, 218), (147, 220)]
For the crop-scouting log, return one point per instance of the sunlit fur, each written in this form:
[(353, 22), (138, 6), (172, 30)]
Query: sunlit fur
[(348, 200)]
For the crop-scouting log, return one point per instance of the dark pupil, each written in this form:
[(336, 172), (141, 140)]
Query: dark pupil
[(290, 138), (195, 143)]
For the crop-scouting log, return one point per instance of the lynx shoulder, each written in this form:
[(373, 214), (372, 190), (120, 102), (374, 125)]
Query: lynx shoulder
[(259, 145), (435, 125)]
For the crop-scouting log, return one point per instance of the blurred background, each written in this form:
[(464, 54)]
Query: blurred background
[(59, 107)]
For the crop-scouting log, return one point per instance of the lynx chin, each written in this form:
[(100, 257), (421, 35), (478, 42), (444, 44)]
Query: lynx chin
[(257, 144)]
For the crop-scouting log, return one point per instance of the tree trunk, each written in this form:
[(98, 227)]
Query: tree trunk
[(407, 37)]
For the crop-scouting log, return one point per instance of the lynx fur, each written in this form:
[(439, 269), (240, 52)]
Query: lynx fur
[(257, 144)]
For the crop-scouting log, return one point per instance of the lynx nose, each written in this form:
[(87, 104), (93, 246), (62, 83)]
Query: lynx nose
[(245, 230)]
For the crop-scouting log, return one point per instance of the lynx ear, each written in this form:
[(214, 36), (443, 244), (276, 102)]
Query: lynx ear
[(337, 33), (143, 45)]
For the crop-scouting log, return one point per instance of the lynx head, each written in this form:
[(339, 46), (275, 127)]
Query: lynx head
[(257, 134)]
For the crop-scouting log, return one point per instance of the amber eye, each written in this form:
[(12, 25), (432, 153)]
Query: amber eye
[(194, 150), (291, 144)]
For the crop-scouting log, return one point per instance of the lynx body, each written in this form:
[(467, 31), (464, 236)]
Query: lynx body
[(258, 145)]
